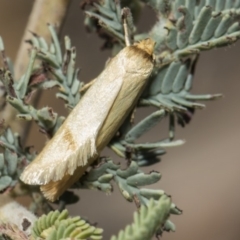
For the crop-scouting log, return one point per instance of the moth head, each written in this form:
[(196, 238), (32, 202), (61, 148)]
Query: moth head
[(147, 45), (138, 58)]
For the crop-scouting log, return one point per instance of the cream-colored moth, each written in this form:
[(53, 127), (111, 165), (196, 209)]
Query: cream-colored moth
[(93, 122)]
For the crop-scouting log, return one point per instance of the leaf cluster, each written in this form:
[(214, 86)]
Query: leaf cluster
[(129, 181), (56, 225), (148, 221), (13, 159)]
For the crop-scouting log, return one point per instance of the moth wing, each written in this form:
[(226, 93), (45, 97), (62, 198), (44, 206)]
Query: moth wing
[(75, 141), (49, 163)]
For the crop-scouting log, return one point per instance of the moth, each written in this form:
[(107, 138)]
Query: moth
[(93, 122)]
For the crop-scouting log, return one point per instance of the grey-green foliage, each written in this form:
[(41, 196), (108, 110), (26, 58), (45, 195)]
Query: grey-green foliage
[(13, 159), (183, 35), (170, 87), (187, 36), (143, 153), (18, 93), (19, 89), (60, 226), (129, 181), (109, 15), (147, 221), (188, 26), (196, 6), (60, 66)]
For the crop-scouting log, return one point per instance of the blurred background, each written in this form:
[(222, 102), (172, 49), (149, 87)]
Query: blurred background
[(202, 176)]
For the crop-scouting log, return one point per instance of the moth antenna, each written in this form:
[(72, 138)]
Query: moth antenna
[(126, 13)]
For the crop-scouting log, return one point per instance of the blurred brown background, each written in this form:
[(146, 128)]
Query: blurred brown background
[(202, 176)]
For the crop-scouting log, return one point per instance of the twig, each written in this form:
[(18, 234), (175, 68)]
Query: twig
[(43, 11)]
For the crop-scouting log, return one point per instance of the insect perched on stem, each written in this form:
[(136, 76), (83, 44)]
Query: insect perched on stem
[(93, 122)]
